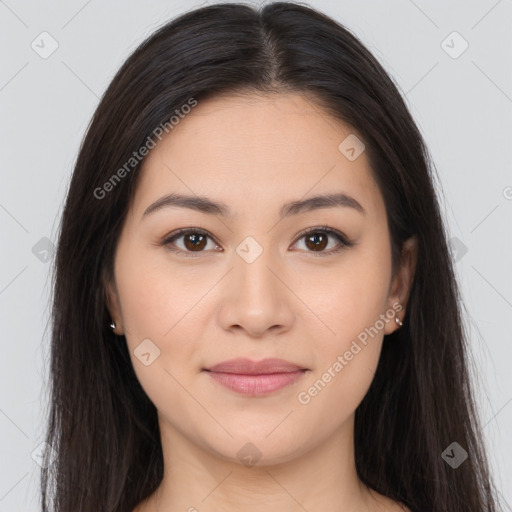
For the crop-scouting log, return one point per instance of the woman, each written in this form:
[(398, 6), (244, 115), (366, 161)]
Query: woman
[(254, 304)]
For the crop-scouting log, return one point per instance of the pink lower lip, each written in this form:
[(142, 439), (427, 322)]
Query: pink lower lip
[(256, 384)]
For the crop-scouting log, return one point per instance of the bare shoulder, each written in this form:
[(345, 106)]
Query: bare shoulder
[(386, 504), (141, 507), (395, 506)]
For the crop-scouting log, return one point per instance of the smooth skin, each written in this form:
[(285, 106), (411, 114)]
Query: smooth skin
[(298, 300)]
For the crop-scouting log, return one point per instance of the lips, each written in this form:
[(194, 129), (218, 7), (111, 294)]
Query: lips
[(255, 378), (243, 366)]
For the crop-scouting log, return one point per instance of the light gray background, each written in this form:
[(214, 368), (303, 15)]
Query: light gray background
[(462, 105)]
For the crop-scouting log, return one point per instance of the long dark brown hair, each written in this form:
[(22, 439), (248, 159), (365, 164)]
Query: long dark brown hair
[(101, 425)]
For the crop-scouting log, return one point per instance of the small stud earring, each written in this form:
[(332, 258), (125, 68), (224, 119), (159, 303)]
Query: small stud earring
[(112, 325), (398, 321)]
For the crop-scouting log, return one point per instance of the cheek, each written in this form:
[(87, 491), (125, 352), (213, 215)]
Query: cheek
[(146, 304), (351, 296), (151, 307), (345, 364), (347, 354), (332, 394), (155, 296), (156, 302)]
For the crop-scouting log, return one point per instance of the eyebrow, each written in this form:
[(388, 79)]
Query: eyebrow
[(206, 205)]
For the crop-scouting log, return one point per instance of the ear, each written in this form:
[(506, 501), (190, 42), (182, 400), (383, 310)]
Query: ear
[(402, 282), (113, 305)]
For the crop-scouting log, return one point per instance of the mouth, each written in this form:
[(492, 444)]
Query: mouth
[(255, 378)]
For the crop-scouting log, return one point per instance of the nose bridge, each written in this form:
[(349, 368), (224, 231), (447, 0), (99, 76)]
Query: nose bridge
[(253, 263), (257, 299)]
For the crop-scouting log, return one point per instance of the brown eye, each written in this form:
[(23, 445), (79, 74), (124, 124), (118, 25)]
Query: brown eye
[(317, 240), (195, 241), (192, 241)]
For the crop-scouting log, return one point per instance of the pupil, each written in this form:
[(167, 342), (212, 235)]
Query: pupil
[(318, 244), (194, 241)]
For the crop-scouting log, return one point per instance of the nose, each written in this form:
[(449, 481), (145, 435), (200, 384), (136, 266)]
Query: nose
[(258, 297)]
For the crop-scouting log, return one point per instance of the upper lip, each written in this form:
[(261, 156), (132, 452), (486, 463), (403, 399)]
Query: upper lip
[(246, 366)]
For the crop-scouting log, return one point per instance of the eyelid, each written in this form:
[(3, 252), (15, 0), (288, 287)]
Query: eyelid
[(184, 231), (341, 237), (327, 229)]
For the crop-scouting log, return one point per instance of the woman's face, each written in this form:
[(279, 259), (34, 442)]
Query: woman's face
[(256, 286)]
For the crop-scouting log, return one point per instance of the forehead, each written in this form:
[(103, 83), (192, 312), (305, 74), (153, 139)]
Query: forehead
[(278, 146)]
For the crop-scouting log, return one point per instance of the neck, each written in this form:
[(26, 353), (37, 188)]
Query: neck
[(196, 479)]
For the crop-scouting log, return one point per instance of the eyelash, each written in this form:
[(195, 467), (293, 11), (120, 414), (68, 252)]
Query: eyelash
[(340, 237)]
